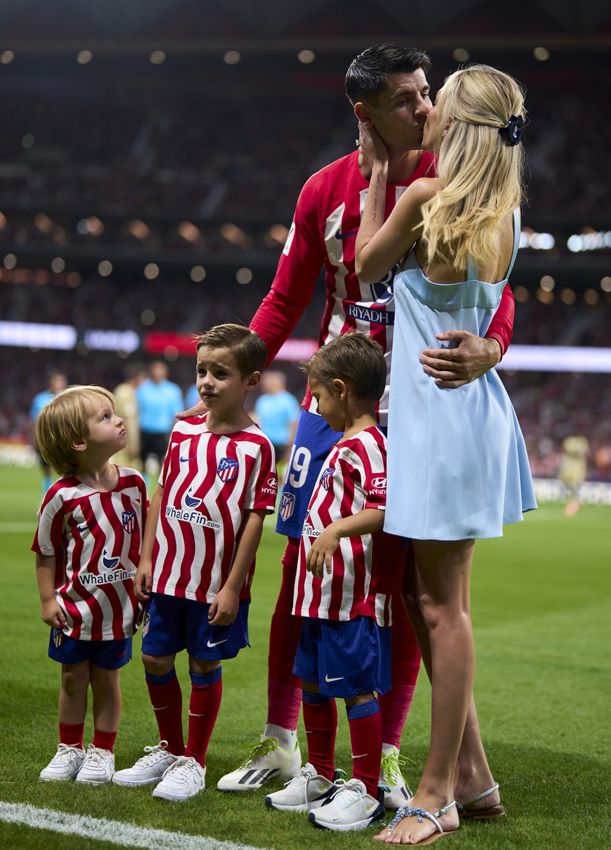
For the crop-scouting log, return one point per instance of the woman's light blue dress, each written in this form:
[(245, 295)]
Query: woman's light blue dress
[(457, 463)]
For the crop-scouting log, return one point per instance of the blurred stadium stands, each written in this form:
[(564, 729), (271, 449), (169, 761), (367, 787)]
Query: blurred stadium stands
[(152, 153)]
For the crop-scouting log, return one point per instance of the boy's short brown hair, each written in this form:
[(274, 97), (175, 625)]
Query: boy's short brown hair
[(63, 422), (354, 358), (246, 346)]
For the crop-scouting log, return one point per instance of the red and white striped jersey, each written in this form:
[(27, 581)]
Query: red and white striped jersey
[(352, 478), (209, 481), (95, 538), (323, 234)]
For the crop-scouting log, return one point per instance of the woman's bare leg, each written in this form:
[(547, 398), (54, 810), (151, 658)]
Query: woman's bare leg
[(472, 774), (443, 589)]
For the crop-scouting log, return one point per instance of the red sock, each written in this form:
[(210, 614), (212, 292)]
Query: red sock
[(104, 740), (283, 703), (405, 664), (71, 734), (284, 688), (365, 721), (206, 693), (320, 720), (166, 699)]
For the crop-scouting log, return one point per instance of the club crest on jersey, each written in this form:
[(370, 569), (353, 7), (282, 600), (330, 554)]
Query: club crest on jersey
[(58, 638), (128, 520), (227, 469), (326, 478), (287, 506), (191, 501), (382, 290)]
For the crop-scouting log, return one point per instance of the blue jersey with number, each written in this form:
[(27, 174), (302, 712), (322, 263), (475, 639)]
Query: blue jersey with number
[(313, 442)]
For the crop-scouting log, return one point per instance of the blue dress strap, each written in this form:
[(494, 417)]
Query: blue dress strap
[(517, 226), (471, 269)]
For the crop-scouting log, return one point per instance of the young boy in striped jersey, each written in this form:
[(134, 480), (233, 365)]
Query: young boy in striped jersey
[(345, 578), (217, 483), (87, 548)]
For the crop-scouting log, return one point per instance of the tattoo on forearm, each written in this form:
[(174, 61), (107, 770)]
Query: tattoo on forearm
[(378, 210)]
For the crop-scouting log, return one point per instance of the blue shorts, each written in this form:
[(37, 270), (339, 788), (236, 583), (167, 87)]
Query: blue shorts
[(313, 442), (172, 624), (344, 658), (107, 654)]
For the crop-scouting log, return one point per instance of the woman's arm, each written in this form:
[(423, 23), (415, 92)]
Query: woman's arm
[(380, 244)]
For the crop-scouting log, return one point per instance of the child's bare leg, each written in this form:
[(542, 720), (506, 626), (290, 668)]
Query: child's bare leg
[(73, 692), (107, 704), (443, 586), (68, 760), (158, 665)]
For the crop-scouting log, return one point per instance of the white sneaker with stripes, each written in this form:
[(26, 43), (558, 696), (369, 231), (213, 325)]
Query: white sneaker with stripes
[(396, 791), (267, 760)]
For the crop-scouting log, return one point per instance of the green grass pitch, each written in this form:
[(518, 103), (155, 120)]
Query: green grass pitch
[(541, 612)]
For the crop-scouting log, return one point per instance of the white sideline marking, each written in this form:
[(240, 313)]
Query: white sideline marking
[(114, 831), (13, 527)]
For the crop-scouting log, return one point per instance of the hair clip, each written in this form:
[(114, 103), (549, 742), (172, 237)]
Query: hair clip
[(511, 133)]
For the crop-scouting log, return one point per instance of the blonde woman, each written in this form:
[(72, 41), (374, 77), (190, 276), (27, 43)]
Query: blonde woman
[(458, 468)]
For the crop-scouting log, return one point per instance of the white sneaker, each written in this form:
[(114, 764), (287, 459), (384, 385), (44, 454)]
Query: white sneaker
[(183, 779), (98, 766), (266, 761), (64, 765), (350, 808), (148, 769), (305, 791), (396, 790)]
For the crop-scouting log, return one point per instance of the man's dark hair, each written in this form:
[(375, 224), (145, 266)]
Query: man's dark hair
[(368, 71)]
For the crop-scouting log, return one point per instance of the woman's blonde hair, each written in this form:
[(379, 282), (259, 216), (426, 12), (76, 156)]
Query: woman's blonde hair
[(62, 423), (479, 168)]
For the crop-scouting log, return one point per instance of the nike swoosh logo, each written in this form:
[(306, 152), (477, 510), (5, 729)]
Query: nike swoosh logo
[(185, 459), (361, 756), (333, 679), (216, 643), (82, 528), (339, 235)]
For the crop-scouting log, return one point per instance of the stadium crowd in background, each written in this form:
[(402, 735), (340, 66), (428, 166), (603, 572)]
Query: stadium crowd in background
[(143, 153), (550, 406)]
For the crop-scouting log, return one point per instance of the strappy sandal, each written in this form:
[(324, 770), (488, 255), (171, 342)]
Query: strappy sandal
[(421, 814), (486, 813)]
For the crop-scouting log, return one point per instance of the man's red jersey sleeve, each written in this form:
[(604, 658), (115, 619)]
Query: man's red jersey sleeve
[(296, 276), (501, 326)]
